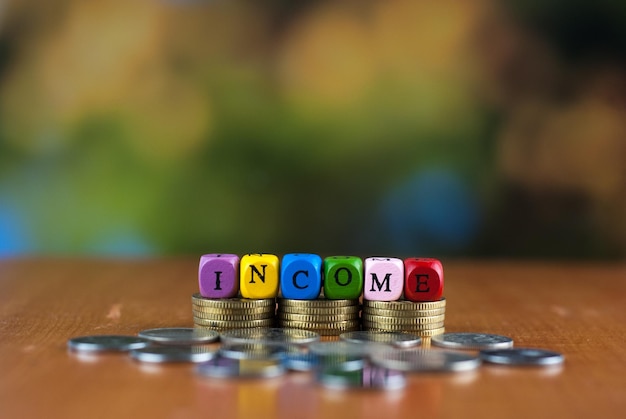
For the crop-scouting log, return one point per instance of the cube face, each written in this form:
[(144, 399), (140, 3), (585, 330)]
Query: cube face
[(343, 277), (301, 276), (218, 275), (383, 279), (423, 279), (258, 275)]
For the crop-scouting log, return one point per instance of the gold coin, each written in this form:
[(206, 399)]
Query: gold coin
[(404, 319), (405, 305), (402, 327), (318, 303), (318, 326), (217, 329), (197, 299), (318, 318), (232, 317), (403, 313), (232, 311), (318, 310), (234, 324), (420, 333), (334, 332)]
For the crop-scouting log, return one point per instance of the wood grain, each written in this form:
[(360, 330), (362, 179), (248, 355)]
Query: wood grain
[(579, 310)]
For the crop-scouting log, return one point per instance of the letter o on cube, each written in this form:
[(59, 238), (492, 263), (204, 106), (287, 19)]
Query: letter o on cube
[(343, 277)]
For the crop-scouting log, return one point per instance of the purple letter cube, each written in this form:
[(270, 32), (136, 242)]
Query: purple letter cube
[(218, 275)]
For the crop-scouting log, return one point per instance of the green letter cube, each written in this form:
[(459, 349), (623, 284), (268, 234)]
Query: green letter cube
[(343, 277)]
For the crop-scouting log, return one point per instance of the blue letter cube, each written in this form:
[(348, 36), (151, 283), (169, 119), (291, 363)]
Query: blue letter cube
[(301, 276)]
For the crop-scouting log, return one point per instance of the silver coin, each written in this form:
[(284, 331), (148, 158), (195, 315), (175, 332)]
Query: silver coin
[(106, 343), (369, 377), (270, 336), (159, 354), (399, 339), (342, 348), (522, 356), (383, 378), (220, 367), (425, 360), (253, 351), (180, 335), (341, 355), (472, 341), (304, 361)]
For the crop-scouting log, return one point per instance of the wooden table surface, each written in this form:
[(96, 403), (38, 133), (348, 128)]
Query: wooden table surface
[(576, 309)]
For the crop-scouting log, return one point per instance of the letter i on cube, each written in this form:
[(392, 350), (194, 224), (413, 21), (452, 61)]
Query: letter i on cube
[(218, 275), (301, 276), (423, 279), (343, 277), (258, 276), (384, 279)]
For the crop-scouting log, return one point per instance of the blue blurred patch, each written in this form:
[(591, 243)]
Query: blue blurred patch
[(14, 235), (433, 211)]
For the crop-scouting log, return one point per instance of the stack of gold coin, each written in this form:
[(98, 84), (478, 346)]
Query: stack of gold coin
[(232, 313), (425, 319), (326, 317)]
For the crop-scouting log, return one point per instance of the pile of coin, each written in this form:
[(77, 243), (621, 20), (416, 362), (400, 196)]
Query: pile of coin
[(232, 313), (359, 360), (326, 317), (424, 319)]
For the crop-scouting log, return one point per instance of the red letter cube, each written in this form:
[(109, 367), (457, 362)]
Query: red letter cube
[(423, 279)]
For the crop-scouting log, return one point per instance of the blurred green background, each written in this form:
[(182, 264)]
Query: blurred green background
[(443, 128)]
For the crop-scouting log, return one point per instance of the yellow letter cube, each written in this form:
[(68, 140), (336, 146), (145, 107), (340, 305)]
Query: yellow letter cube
[(258, 275)]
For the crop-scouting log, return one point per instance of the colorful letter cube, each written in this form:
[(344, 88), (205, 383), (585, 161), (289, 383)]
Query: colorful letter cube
[(343, 277), (301, 276), (423, 279), (259, 275), (218, 275), (384, 279)]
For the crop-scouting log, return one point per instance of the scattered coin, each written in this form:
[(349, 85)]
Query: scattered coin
[(375, 377), (270, 335), (107, 343), (339, 379), (425, 360), (399, 339), (304, 361), (369, 377), (161, 354), (522, 356), (341, 355), (339, 348), (253, 351), (221, 367), (472, 341), (180, 335)]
